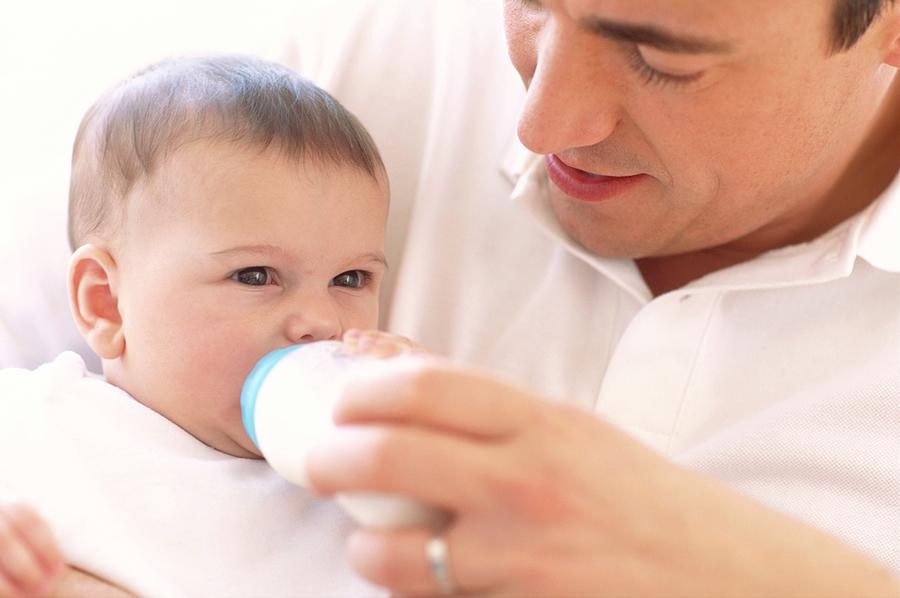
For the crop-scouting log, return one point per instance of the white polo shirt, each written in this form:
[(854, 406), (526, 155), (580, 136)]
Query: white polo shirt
[(779, 376)]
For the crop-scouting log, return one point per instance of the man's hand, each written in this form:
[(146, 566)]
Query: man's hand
[(553, 501), (378, 344)]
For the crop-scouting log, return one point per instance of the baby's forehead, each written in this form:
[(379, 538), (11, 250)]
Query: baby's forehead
[(216, 180), (231, 166)]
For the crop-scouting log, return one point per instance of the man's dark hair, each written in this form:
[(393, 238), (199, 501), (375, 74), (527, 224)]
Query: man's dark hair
[(130, 131), (852, 18)]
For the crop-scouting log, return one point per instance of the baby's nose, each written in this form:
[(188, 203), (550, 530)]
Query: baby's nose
[(314, 321)]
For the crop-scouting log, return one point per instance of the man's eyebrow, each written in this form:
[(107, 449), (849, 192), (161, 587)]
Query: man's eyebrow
[(655, 37)]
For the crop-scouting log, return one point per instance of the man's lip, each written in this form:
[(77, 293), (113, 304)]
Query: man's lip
[(586, 186)]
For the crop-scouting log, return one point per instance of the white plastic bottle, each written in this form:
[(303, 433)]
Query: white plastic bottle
[(287, 403)]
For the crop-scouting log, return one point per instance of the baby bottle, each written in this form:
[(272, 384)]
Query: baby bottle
[(287, 403)]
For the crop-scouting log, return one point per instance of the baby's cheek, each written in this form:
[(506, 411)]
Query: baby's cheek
[(361, 313), (216, 365)]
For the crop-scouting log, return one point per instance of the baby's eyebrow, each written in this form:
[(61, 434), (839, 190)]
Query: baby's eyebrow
[(273, 250), (264, 249), (376, 257)]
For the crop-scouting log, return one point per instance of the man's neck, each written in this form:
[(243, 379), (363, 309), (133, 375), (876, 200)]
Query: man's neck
[(870, 171)]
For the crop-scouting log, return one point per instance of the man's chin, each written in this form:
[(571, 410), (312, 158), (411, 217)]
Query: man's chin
[(611, 229), (601, 234)]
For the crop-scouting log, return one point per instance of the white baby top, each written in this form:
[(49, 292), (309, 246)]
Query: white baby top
[(138, 501)]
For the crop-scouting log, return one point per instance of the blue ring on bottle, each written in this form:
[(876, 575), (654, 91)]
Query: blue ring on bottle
[(252, 385)]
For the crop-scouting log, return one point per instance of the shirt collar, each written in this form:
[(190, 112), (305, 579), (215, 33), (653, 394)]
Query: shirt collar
[(879, 230), (871, 235)]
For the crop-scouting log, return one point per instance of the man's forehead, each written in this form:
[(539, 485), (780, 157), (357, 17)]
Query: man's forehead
[(685, 15), (702, 25), (687, 10)]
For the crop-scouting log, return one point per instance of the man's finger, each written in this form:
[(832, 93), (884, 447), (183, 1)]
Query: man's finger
[(427, 392), (398, 560), (435, 468)]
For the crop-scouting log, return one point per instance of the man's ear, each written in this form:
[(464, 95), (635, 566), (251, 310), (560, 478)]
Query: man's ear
[(93, 299), (893, 35)]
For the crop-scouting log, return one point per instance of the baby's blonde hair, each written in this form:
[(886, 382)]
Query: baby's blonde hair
[(129, 131)]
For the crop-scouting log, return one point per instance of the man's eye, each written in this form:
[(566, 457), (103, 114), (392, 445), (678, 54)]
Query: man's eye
[(257, 276), (639, 63), (354, 279)]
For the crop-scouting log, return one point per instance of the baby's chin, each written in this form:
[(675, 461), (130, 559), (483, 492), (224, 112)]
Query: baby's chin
[(230, 439), (241, 445), (243, 448)]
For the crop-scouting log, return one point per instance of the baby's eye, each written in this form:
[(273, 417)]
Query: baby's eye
[(354, 279), (257, 276)]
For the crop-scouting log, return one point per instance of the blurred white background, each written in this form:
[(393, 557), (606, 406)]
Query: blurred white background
[(57, 57)]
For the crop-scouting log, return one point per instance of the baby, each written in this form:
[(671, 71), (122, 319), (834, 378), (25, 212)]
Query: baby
[(220, 208)]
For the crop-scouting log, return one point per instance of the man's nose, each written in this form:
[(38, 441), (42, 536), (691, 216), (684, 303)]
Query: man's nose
[(569, 103), (313, 319)]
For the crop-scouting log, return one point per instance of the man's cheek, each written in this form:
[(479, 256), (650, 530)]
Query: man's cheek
[(521, 41)]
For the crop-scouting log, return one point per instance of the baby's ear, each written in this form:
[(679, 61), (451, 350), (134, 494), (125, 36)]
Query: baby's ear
[(93, 299)]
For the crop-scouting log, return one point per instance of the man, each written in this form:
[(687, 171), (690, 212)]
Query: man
[(714, 270), (718, 276)]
